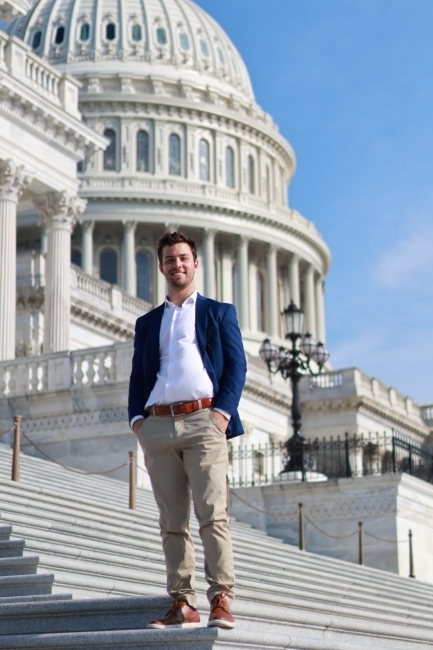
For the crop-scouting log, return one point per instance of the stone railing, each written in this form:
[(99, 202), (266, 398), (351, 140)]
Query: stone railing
[(64, 370), (327, 380), (21, 64)]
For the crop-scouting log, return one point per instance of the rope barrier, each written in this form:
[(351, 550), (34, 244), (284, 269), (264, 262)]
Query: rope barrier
[(143, 469), (72, 469), (7, 431), (264, 512), (327, 534), (389, 541)]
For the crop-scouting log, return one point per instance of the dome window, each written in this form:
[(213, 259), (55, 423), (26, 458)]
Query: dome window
[(174, 155), (221, 56), (251, 176), (85, 32), (136, 33), (143, 260), (204, 48), (108, 266), (161, 36), (204, 160), (142, 151), (232, 61), (110, 32), (37, 38), (230, 167), (184, 41), (110, 152), (60, 35)]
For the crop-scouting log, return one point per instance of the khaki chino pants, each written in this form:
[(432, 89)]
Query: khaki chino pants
[(182, 453)]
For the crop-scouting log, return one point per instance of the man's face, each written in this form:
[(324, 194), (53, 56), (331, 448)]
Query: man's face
[(178, 265)]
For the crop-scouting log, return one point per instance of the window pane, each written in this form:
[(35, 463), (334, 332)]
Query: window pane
[(108, 266), (174, 155), (142, 151), (251, 179), (221, 56), (161, 36), (144, 276), (230, 167), (204, 48), (204, 160), (136, 33), (184, 41), (110, 32), (85, 32), (60, 35), (37, 40), (76, 257), (110, 152)]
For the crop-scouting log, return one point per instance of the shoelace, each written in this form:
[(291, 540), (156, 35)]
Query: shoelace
[(220, 602)]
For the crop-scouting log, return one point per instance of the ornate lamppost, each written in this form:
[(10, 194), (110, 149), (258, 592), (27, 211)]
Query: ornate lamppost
[(292, 363)]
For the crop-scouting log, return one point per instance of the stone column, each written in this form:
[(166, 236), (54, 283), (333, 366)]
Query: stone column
[(310, 302), (227, 275), (253, 291), (295, 293), (209, 263), (59, 211), (87, 228), (320, 309), (13, 180), (243, 283), (129, 279), (272, 315)]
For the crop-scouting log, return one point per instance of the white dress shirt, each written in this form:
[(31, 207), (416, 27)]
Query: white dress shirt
[(182, 376)]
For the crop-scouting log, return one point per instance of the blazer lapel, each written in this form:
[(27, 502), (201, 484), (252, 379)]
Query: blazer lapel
[(200, 323), (153, 338)]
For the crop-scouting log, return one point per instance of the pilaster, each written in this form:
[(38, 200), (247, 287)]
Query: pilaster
[(87, 228), (129, 279)]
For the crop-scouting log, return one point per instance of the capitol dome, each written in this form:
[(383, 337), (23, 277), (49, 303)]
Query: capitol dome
[(171, 38)]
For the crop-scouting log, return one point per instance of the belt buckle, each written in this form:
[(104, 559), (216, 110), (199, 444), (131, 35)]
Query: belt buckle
[(173, 406)]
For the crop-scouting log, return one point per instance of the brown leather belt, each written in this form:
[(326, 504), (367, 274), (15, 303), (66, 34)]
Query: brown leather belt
[(182, 408)]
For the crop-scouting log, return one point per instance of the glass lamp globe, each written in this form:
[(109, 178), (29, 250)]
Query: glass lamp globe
[(282, 359), (268, 351), (308, 345), (293, 318), (320, 354)]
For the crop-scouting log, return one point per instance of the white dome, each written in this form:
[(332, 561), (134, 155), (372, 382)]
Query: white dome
[(169, 38)]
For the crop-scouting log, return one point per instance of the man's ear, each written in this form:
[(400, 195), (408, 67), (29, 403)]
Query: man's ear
[(160, 268)]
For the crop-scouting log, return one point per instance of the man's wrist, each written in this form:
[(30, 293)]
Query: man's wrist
[(135, 419), (224, 413)]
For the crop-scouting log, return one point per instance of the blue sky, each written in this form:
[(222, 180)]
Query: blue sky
[(350, 84)]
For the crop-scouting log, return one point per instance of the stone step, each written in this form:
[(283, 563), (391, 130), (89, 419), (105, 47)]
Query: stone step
[(14, 566), (30, 599), (31, 585), (12, 548), (5, 533)]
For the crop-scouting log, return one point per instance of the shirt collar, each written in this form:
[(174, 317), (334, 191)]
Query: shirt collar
[(191, 300)]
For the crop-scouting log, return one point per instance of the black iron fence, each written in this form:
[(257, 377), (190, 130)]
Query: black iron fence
[(350, 456)]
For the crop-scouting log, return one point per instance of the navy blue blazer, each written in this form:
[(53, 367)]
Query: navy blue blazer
[(220, 343)]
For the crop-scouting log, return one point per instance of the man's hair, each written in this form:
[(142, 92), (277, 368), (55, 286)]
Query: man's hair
[(171, 238)]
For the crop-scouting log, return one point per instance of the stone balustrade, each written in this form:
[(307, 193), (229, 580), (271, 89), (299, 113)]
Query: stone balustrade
[(62, 371)]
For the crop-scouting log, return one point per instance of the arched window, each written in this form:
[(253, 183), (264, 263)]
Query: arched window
[(174, 155), (260, 302), (110, 31), (110, 152), (221, 56), (204, 48), (76, 257), (161, 36), (235, 286), (142, 151), (184, 41), (37, 38), (136, 33), (230, 167), (108, 266), (144, 276), (251, 176), (85, 32), (60, 35), (204, 160)]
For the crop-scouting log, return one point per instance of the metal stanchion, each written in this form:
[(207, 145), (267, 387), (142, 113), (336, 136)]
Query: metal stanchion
[(301, 528), (15, 476), (132, 482), (411, 567), (361, 542)]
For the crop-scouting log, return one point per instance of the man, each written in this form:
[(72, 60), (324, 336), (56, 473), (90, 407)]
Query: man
[(188, 371)]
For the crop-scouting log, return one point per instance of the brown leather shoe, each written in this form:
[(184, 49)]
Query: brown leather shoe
[(180, 615), (220, 615)]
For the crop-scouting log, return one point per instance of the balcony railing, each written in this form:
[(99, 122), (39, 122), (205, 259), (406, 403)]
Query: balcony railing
[(331, 458)]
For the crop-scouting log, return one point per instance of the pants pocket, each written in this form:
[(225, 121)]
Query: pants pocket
[(214, 421)]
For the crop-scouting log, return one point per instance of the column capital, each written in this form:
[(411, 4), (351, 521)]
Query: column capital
[(87, 226), (129, 226), (13, 180), (295, 258), (171, 227), (272, 248), (243, 239), (210, 232), (59, 209)]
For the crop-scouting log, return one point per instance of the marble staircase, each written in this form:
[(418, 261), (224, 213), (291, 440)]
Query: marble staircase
[(63, 534)]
